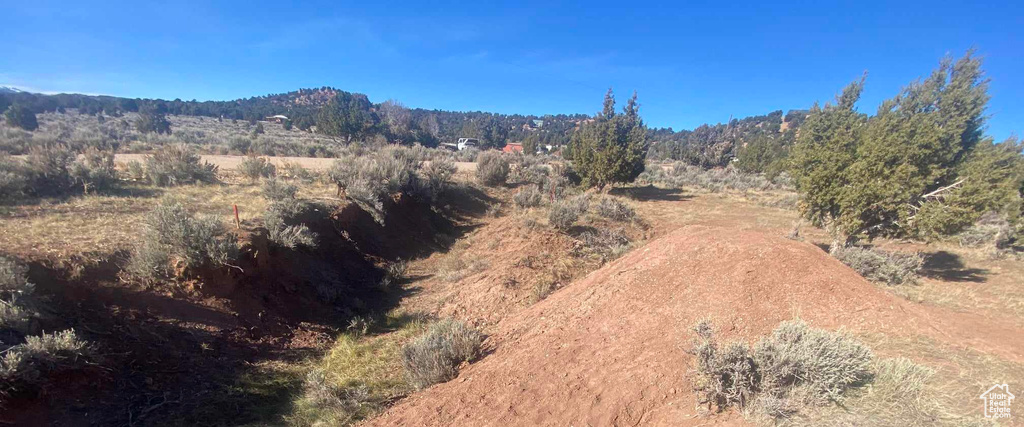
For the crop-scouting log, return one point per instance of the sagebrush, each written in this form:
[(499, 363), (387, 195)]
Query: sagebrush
[(794, 367), (435, 356)]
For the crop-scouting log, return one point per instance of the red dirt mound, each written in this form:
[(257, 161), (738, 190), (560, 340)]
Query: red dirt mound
[(610, 349)]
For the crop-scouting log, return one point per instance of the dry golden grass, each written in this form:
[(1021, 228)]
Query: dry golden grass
[(105, 224), (363, 373), (907, 395)]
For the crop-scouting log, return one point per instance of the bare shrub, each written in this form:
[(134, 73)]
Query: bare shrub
[(48, 168), (14, 317), (714, 180), (294, 170), (135, 171), (467, 155), (492, 168), (281, 214), (527, 197), (435, 356), (174, 242), (394, 272), (793, 367), (14, 177), (94, 171), (344, 172), (565, 213), (893, 268), (438, 175), (368, 180), (605, 243), (991, 230), (544, 287), (178, 165), (724, 377), (334, 404), (614, 209), (14, 290), (288, 236), (254, 167), (30, 363), (828, 363), (13, 278), (528, 169)]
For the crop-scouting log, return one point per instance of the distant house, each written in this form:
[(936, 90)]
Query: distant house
[(538, 123), (277, 119), (513, 148)]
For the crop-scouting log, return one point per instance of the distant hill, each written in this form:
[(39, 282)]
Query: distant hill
[(10, 89), (710, 145)]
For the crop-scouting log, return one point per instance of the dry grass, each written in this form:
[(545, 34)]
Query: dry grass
[(105, 224), (938, 386), (458, 264), (359, 376)]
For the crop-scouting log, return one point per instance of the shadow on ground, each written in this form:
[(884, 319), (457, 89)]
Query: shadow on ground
[(948, 266), (650, 192)]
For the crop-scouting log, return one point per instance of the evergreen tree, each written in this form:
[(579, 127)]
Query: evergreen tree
[(152, 118), (826, 147), (20, 116), (992, 180), (913, 146), (531, 144), (612, 147), (347, 115)]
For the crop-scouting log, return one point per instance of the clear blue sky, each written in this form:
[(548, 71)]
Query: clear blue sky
[(690, 62)]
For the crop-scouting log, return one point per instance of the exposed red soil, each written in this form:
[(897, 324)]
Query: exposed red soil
[(169, 354), (610, 349)]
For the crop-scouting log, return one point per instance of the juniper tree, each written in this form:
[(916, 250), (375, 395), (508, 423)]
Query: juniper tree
[(919, 167), (347, 115), (610, 148), (912, 147), (992, 181), (152, 118), (20, 116), (825, 148)]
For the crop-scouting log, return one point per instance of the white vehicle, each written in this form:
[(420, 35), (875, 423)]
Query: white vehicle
[(465, 143)]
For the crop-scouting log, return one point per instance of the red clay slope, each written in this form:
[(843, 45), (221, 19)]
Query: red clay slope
[(610, 349)]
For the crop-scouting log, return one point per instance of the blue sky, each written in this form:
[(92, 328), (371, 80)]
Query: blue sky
[(691, 62)]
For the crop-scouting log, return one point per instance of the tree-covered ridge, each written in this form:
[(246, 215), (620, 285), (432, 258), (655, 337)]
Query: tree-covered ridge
[(759, 142), (325, 108)]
